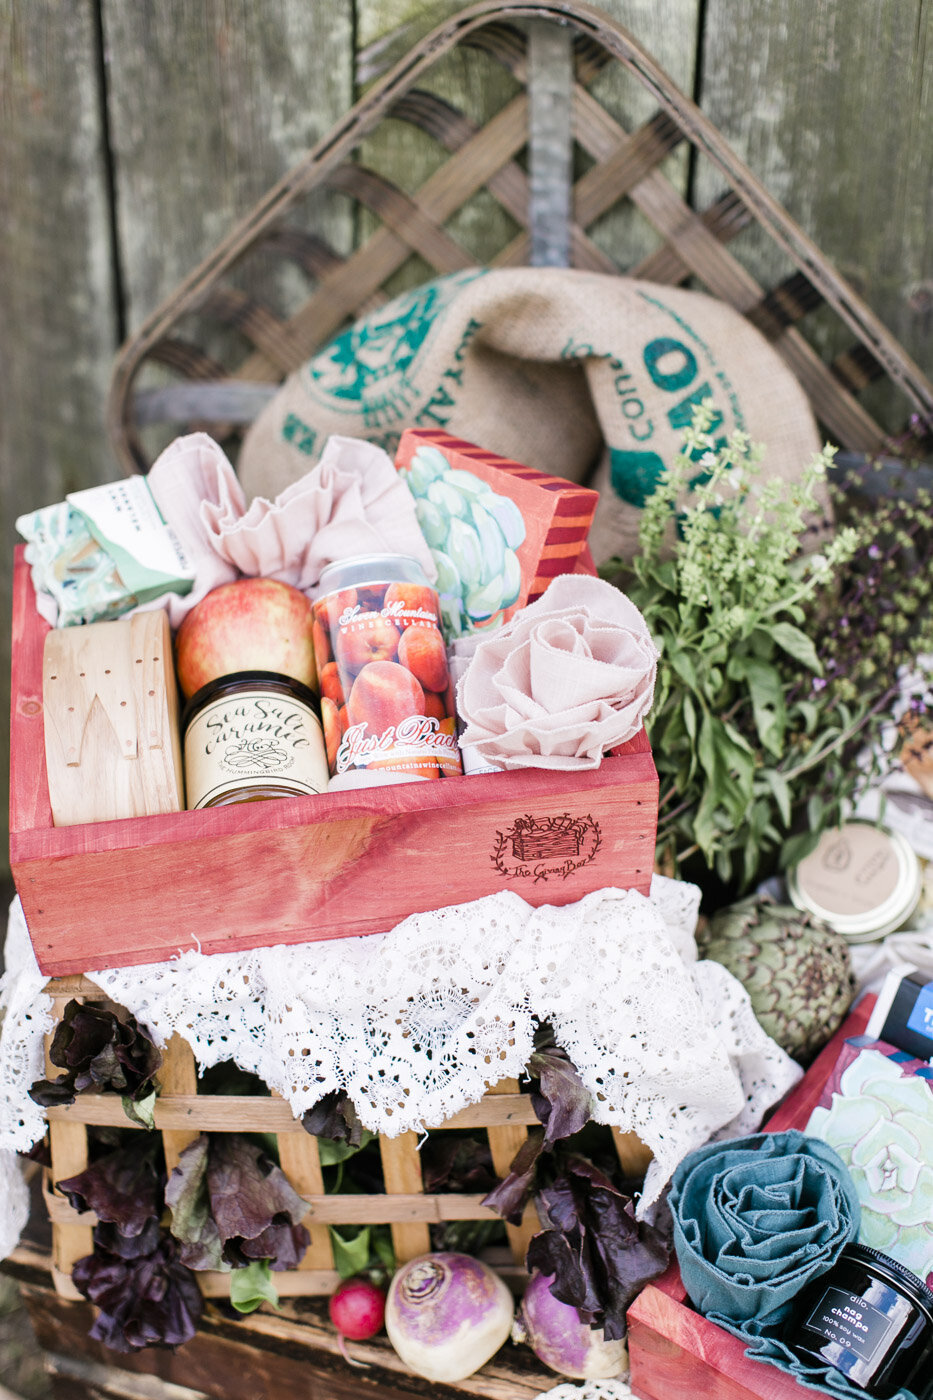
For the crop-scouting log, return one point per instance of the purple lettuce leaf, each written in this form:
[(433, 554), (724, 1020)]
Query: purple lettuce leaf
[(600, 1254), (561, 1101), (456, 1162), (513, 1192), (334, 1117), (186, 1195), (100, 1050), (123, 1189), (257, 1212), (150, 1301), (111, 1239), (564, 1107)]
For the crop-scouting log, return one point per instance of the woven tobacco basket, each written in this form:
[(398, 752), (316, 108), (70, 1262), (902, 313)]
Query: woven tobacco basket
[(554, 162)]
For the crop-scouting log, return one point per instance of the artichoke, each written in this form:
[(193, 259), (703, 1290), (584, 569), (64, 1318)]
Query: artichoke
[(795, 968)]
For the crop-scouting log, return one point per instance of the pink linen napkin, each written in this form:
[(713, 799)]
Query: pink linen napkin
[(351, 502), (567, 678)]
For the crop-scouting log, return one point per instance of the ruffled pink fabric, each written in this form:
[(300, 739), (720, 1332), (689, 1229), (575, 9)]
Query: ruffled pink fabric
[(352, 501), (569, 677)]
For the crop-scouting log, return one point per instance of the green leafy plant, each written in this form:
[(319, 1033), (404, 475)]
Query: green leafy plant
[(759, 708)]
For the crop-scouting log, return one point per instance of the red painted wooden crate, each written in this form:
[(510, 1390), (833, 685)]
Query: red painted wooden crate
[(675, 1353), (120, 893)]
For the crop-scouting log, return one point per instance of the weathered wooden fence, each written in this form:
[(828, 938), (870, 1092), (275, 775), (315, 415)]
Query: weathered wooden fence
[(133, 133)]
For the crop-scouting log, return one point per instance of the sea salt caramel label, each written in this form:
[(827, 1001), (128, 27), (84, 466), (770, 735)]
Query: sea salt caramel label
[(253, 739)]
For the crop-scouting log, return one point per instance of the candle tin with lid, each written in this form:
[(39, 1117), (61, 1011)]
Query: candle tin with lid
[(252, 736), (862, 879), (872, 1320), (386, 694)]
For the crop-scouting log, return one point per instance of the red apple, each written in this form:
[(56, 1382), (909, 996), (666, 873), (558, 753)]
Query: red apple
[(253, 624), (357, 646), (383, 694), (422, 651)]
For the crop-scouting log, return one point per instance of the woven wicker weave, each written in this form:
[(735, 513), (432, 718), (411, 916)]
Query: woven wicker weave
[(216, 390)]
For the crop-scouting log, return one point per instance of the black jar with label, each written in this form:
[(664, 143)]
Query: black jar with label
[(252, 736), (870, 1318)]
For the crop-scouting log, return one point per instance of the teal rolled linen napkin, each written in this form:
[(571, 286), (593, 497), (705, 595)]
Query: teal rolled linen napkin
[(755, 1219)]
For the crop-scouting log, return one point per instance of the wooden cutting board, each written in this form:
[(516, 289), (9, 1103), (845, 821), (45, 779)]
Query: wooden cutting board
[(111, 720)]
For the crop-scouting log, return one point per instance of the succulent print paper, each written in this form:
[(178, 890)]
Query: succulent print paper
[(877, 1112)]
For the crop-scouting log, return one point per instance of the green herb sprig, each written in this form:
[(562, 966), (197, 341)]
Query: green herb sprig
[(754, 741)]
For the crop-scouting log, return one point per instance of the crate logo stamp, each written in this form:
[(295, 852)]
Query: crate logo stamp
[(546, 848)]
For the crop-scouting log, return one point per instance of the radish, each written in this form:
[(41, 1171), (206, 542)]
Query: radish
[(357, 1310)]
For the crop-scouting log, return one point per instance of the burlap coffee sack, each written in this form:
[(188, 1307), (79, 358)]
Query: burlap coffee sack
[(572, 372)]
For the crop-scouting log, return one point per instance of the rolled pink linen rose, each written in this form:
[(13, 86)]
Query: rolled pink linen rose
[(569, 677)]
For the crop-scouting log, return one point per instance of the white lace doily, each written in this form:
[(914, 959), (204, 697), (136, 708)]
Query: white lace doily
[(416, 1023), (589, 1390)]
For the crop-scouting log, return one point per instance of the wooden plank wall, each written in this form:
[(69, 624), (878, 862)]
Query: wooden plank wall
[(132, 135)]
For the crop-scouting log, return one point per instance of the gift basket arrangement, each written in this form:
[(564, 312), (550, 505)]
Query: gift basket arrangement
[(478, 841)]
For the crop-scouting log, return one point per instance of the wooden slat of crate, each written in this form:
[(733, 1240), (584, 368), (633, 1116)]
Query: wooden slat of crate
[(504, 1114)]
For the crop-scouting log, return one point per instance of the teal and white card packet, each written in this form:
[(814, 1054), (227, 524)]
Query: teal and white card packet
[(102, 551)]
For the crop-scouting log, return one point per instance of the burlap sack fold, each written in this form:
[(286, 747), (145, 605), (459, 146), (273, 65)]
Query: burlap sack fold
[(579, 374)]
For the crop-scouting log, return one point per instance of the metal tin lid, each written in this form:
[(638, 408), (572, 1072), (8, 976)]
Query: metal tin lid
[(862, 879), (236, 681), (362, 569)]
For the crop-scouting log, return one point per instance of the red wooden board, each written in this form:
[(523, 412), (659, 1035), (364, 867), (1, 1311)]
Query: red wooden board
[(298, 869), (675, 1353)]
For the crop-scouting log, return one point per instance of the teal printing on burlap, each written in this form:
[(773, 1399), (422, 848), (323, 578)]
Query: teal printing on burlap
[(756, 1220), (577, 374)]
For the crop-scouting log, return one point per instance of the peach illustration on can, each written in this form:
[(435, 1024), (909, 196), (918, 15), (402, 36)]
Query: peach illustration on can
[(386, 693)]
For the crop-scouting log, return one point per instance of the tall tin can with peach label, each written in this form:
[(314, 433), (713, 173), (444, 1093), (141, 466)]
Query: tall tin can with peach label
[(386, 695)]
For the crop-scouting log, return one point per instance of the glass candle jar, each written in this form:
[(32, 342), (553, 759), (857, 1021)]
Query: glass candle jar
[(252, 736), (862, 879), (871, 1319)]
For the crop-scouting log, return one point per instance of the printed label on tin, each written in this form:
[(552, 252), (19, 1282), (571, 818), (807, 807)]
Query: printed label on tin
[(253, 739), (850, 1322), (386, 694)]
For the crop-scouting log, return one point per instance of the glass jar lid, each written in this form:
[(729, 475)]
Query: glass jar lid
[(362, 569), (243, 680), (862, 879)]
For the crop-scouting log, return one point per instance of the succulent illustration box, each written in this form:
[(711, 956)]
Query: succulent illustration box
[(876, 1110), (498, 531)]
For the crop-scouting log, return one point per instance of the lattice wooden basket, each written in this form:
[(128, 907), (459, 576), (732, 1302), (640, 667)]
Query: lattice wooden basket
[(547, 166), (181, 1113)]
